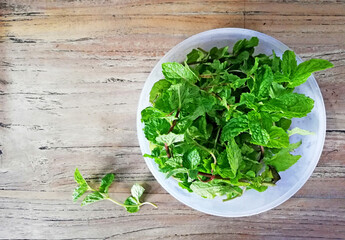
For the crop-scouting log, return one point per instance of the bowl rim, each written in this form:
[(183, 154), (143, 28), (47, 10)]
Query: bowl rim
[(321, 133)]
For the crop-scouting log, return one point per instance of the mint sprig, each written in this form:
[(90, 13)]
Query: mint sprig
[(132, 204)]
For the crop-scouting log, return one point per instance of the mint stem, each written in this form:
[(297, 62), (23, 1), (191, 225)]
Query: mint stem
[(167, 150), (174, 122)]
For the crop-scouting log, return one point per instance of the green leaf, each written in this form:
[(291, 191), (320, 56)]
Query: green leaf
[(170, 138), (283, 160), (263, 78), (162, 102), (259, 135), (289, 63), (255, 66), (218, 66), (193, 173), (92, 197), (183, 96), (239, 83), (243, 56), (175, 71), (249, 100), (284, 123), (155, 127), (137, 191), (196, 55), (201, 128), (131, 201), (158, 88), (229, 77), (79, 178), (278, 138), (193, 159), (176, 171), (234, 127), (277, 90), (234, 155), (107, 180), (149, 113), (185, 185), (280, 78), (266, 121), (276, 62), (209, 189), (218, 53), (299, 131), (250, 174), (305, 69), (291, 105), (79, 191), (245, 44)]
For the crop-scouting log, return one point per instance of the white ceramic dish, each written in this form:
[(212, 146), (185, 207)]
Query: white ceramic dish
[(252, 202)]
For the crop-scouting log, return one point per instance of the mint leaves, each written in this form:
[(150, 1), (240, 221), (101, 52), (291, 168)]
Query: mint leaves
[(132, 204), (219, 122)]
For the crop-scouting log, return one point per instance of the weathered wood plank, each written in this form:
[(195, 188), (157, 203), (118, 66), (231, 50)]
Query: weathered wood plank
[(49, 210)]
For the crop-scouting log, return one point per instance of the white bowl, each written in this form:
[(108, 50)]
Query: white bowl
[(252, 202)]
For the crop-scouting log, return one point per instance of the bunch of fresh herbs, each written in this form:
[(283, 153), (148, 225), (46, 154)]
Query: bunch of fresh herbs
[(219, 122)]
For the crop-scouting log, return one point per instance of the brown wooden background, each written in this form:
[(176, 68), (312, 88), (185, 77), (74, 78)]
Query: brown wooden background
[(70, 77)]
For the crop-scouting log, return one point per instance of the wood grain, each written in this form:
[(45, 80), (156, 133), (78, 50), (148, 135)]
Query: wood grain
[(70, 77)]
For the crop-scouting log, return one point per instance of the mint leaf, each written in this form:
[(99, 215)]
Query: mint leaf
[(234, 155), (156, 127), (255, 67), (259, 135), (92, 197), (290, 105), (209, 189), (278, 89), (283, 160), (79, 178), (158, 88), (284, 123), (289, 63), (170, 138), (305, 69), (131, 201), (176, 171), (264, 78), (299, 131), (249, 100), (150, 112), (182, 96), (137, 191), (245, 44), (278, 138), (107, 180), (175, 72), (83, 186), (193, 159), (79, 191), (218, 53), (196, 55), (276, 63), (234, 127)]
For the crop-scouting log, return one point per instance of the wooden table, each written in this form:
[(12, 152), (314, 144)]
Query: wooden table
[(71, 73)]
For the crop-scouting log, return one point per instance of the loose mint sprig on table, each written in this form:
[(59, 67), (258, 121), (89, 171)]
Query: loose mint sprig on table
[(132, 204)]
